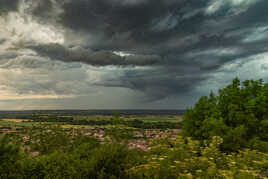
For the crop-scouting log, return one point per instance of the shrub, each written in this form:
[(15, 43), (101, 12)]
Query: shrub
[(9, 157), (187, 158)]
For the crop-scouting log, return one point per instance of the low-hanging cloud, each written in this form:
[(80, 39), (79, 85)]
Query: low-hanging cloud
[(7, 6), (95, 58)]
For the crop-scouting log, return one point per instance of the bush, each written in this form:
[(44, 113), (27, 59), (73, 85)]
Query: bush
[(54, 165), (238, 114), (9, 157), (111, 160), (187, 158), (167, 158)]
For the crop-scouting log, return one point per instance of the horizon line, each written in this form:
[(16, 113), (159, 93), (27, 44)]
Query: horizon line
[(92, 110)]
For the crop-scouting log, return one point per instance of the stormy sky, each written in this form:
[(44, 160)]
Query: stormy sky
[(107, 54)]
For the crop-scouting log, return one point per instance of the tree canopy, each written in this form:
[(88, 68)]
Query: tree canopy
[(239, 114)]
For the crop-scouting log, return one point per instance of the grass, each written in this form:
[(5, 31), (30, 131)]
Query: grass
[(15, 120), (146, 118), (20, 123), (151, 118), (68, 126)]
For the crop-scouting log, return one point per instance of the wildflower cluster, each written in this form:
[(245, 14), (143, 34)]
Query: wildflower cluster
[(187, 158)]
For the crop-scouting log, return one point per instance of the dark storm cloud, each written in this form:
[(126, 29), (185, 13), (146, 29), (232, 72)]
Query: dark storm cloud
[(2, 41), (8, 5), (256, 15), (42, 8), (179, 43), (156, 26), (7, 55), (264, 67), (158, 85), (147, 21), (95, 58)]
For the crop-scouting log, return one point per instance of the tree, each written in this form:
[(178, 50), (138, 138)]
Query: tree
[(9, 156), (239, 114)]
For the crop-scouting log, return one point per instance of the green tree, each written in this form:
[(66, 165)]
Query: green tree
[(238, 114), (9, 157)]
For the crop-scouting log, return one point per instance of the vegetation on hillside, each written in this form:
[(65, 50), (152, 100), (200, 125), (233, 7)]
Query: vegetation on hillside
[(239, 114), (66, 156)]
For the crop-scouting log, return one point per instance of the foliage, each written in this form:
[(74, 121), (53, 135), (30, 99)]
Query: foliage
[(186, 158), (239, 114), (85, 157), (116, 120), (9, 156), (47, 140), (85, 161)]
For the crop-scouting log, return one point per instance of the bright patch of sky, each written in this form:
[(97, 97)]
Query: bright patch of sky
[(259, 33), (237, 6), (253, 67), (123, 54)]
